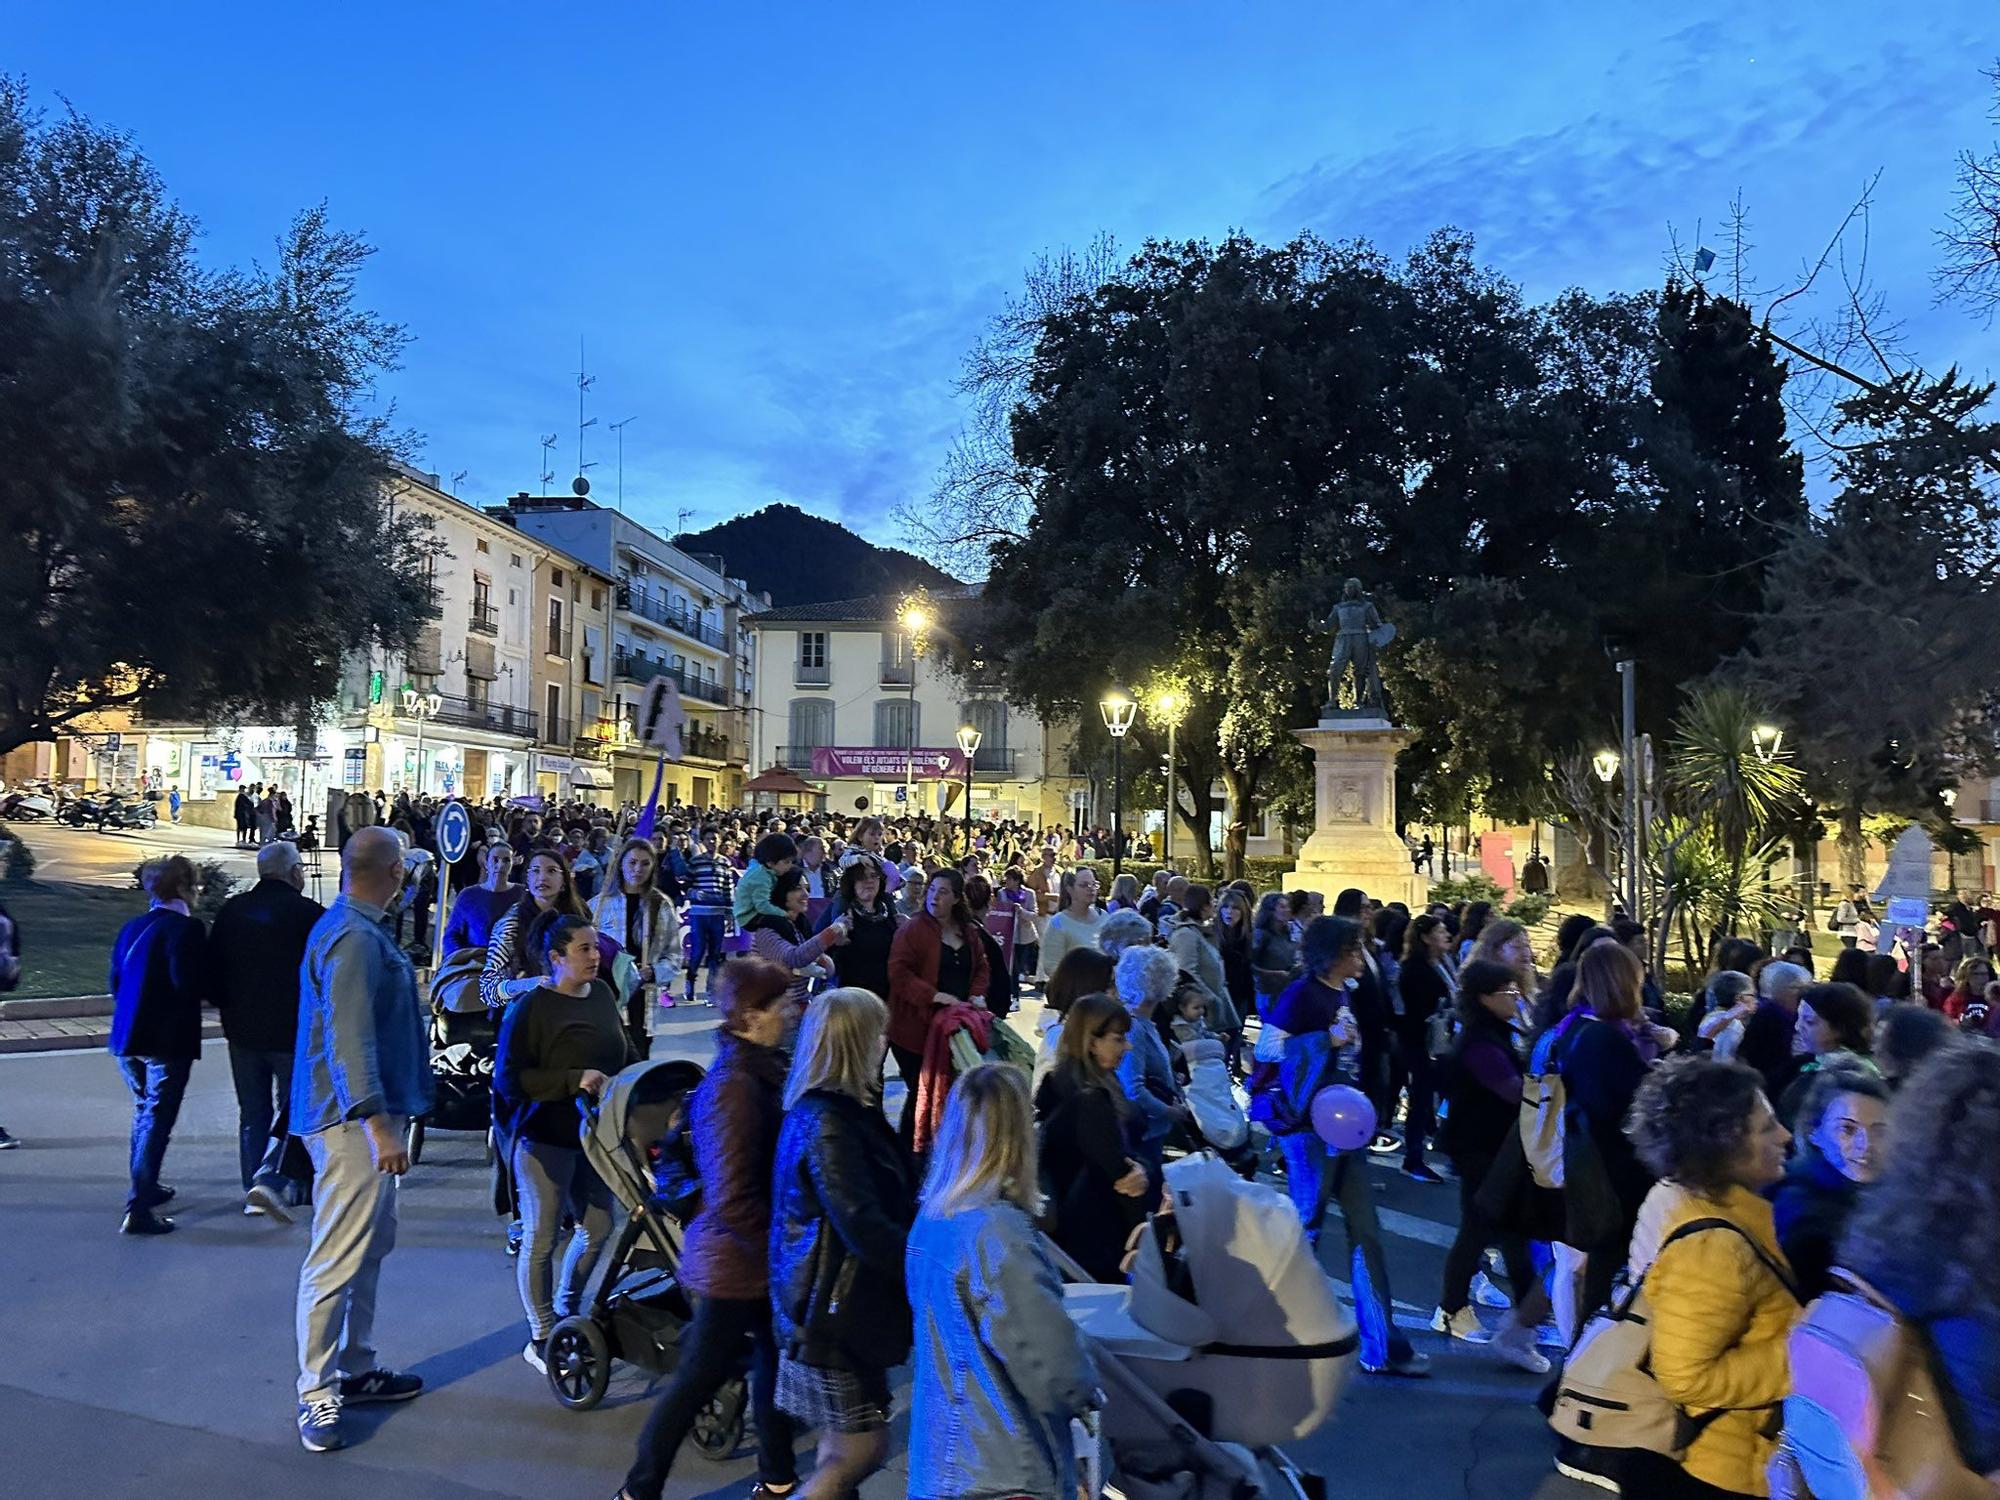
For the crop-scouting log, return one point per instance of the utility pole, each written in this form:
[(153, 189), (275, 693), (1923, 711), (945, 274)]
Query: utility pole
[(619, 428)]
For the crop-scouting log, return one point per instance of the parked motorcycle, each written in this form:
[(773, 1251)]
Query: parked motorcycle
[(29, 803), (82, 810), (124, 812)]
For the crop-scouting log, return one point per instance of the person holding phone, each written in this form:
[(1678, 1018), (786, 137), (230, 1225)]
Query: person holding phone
[(559, 1044)]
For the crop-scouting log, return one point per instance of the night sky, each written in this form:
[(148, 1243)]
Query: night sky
[(778, 228)]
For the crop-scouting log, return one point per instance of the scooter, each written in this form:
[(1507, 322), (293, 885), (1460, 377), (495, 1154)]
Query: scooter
[(28, 804), (82, 810), (123, 812)]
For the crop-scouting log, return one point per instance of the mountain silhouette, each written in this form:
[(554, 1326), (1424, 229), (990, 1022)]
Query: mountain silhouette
[(802, 559)]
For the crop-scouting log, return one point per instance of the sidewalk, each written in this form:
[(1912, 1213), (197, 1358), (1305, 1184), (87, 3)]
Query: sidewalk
[(55, 1025)]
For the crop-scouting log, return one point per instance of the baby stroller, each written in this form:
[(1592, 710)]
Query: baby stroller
[(635, 1136), (465, 1035), (1228, 1342)]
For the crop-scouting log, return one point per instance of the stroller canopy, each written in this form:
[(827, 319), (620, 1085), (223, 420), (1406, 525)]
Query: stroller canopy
[(638, 1107), (1244, 1275)]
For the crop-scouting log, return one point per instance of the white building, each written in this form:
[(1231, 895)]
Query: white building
[(847, 700), (673, 614)]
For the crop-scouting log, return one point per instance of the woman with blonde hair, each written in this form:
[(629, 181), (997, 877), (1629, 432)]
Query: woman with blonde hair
[(999, 1368), (1076, 921), (842, 1199), (642, 922)]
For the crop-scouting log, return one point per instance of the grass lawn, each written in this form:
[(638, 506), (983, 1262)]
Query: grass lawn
[(66, 932)]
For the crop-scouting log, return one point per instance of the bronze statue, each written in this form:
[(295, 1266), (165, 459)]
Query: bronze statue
[(1358, 633)]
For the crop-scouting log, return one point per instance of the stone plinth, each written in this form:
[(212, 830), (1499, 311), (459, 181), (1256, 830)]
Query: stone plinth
[(1354, 841)]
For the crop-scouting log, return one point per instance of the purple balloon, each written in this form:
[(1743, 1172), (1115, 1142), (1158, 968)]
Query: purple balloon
[(1343, 1117)]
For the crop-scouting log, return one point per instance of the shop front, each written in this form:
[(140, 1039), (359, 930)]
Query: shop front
[(210, 766), (552, 775)]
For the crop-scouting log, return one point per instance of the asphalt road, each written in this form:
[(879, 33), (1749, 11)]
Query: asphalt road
[(162, 1369), (91, 858)]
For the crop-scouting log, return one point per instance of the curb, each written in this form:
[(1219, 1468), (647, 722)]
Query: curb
[(53, 1008), (68, 1034)]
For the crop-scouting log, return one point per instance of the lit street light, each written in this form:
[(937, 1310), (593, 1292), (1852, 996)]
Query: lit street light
[(1171, 707), (1605, 764), (420, 706), (968, 741), (915, 620), (1119, 711)]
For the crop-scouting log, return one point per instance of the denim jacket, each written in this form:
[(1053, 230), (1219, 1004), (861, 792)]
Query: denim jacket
[(361, 1047), (998, 1369)]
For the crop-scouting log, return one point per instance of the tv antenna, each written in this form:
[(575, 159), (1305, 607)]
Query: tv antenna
[(455, 478), (619, 428), (548, 470), (681, 520), (584, 382)]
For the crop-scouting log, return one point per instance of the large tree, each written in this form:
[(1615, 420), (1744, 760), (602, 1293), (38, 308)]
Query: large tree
[(194, 506)]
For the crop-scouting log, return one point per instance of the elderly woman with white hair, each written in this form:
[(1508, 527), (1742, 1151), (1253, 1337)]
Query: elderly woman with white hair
[(1767, 1035), (1144, 980), (1121, 930)]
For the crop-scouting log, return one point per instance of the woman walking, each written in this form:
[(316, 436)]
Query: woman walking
[(862, 903), (725, 1258), (478, 908), (511, 969), (935, 960), (999, 1368), (1098, 1187), (560, 1043), (842, 1200), (1274, 951), (1076, 920), (158, 979), (1195, 951), (645, 926)]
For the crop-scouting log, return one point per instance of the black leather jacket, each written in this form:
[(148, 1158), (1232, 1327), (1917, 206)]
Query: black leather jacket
[(843, 1200)]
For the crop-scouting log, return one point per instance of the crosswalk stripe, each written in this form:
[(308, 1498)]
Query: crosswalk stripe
[(1411, 1227)]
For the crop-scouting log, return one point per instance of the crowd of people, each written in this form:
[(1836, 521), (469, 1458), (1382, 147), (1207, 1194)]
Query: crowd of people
[(842, 1239)]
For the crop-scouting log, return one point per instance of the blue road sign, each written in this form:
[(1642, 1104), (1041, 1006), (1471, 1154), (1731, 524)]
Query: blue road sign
[(454, 832)]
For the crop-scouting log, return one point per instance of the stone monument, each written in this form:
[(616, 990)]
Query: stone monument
[(1354, 840)]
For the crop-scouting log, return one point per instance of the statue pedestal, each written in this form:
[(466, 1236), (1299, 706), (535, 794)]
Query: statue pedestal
[(1354, 841)]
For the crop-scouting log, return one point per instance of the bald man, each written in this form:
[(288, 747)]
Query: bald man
[(362, 1069)]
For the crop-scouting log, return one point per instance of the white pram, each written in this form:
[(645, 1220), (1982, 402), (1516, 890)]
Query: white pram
[(1229, 1341)]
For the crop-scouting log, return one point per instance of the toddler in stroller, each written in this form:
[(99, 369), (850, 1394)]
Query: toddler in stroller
[(1221, 1120), (1229, 1341), (635, 1137)]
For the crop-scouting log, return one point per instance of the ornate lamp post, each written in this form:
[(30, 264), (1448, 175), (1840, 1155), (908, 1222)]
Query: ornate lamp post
[(916, 621), (968, 741), (1119, 711), (420, 706), (1170, 706)]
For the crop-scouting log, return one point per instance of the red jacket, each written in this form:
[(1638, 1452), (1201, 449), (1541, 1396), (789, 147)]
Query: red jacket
[(913, 974)]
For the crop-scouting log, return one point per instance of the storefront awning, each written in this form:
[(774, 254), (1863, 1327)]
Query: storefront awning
[(594, 777)]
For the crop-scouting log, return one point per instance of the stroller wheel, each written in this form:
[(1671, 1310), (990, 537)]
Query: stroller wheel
[(718, 1426), (413, 1138), (490, 1151), (579, 1362)]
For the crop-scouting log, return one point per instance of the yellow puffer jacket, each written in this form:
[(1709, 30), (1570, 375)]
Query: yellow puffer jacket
[(1720, 1322)]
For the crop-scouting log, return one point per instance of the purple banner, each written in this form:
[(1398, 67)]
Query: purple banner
[(889, 763)]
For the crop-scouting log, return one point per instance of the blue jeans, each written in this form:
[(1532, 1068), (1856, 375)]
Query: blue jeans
[(707, 930), (263, 1090), (157, 1085), (1317, 1176)]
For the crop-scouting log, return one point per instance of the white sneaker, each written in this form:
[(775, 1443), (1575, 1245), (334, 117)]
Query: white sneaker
[(1462, 1325), (1515, 1345), (533, 1355), (1486, 1294)]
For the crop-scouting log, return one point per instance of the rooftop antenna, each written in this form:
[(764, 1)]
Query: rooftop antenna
[(619, 428), (548, 470), (681, 521), (583, 384), (455, 479)]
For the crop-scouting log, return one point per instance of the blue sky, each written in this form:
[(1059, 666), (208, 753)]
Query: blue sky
[(778, 228)]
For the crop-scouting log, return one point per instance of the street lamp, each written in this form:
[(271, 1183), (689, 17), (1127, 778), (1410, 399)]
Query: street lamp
[(915, 620), (1171, 707), (420, 706), (968, 741), (1119, 711), (1765, 740), (1605, 764)]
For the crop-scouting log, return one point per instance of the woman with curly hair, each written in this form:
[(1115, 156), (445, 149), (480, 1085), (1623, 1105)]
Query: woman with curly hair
[(1722, 1296), (1924, 1235)]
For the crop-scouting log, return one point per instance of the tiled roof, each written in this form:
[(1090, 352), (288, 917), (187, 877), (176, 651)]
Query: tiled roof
[(868, 610)]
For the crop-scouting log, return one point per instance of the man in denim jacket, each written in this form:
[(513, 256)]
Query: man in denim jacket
[(361, 1070)]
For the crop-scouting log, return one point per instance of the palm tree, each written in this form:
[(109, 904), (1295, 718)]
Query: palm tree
[(1727, 770)]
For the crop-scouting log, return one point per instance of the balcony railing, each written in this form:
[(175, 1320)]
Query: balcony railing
[(650, 606), (898, 674), (642, 668), (804, 675), (557, 643), (483, 618), (560, 731), (996, 761), (796, 757), (499, 718)]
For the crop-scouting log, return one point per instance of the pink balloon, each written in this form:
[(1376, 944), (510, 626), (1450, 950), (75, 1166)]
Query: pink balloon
[(1343, 1117)]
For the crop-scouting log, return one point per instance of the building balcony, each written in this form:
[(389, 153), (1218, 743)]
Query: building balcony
[(897, 674), (637, 667), (650, 606), (998, 761), (470, 713), (812, 676), (556, 643), (483, 618), (796, 757), (559, 731)]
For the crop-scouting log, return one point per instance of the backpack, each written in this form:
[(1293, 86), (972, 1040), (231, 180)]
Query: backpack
[(1542, 1100), (1864, 1418), (1606, 1396)]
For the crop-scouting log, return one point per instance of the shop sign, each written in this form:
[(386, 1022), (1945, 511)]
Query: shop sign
[(555, 765), (889, 763), (354, 766)]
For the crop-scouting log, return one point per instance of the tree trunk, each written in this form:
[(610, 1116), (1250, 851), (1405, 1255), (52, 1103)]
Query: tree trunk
[(1853, 848), (1242, 789)]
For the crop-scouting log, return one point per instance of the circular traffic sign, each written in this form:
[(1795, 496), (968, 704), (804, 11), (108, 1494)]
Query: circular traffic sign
[(454, 832)]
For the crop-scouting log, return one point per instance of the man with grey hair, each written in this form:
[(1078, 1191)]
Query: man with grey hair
[(1767, 1035), (1144, 979), (254, 952), (362, 1070)]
